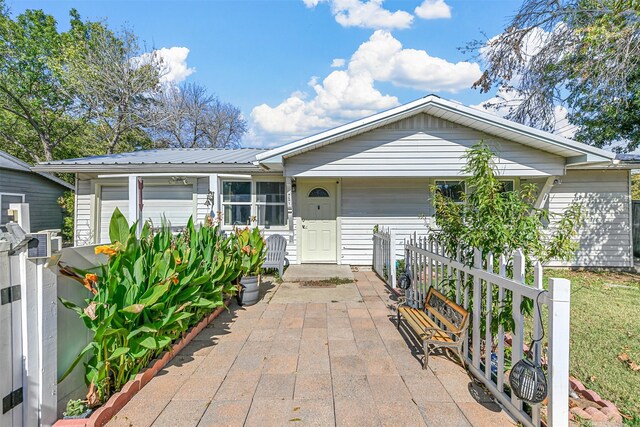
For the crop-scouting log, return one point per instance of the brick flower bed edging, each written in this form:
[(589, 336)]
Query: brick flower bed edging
[(116, 402), (603, 410)]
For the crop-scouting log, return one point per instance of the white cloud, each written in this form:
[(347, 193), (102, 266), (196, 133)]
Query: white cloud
[(337, 63), (349, 94), (433, 9), (384, 57), (365, 14), (175, 62)]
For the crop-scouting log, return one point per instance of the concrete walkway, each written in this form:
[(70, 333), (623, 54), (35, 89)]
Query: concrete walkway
[(323, 364)]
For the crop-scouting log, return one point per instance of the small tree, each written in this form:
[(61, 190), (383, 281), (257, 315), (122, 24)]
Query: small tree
[(500, 222)]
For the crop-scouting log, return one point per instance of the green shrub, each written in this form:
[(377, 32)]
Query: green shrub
[(67, 202), (499, 222), (151, 290), (252, 250), (75, 407)]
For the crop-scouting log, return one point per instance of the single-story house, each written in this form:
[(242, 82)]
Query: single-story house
[(326, 192), (19, 184)]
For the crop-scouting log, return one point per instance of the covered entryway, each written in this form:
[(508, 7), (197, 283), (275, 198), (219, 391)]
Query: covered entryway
[(317, 228)]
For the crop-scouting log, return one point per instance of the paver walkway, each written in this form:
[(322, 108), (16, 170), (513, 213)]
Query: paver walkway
[(323, 364)]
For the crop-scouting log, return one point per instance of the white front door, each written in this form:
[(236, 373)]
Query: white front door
[(317, 201)]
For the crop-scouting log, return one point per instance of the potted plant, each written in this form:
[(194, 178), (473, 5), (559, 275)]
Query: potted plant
[(252, 250), (77, 408)]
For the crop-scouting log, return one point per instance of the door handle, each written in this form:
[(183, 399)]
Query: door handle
[(304, 226)]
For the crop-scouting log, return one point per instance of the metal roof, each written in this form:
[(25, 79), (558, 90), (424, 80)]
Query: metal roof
[(628, 157), (452, 111), (7, 161), (170, 158)]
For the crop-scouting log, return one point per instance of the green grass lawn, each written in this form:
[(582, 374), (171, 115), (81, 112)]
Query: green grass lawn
[(605, 322)]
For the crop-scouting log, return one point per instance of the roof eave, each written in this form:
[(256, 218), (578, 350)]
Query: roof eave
[(425, 104), (161, 167)]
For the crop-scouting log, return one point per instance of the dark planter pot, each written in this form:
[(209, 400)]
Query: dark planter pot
[(250, 292)]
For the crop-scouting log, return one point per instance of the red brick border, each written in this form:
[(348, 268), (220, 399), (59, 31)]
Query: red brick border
[(116, 402)]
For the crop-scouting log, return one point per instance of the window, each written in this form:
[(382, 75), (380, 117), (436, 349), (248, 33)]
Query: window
[(507, 186), (451, 189), (5, 200), (318, 192), (236, 202), (270, 203)]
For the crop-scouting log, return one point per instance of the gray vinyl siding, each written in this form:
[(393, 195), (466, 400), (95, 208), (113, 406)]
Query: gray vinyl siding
[(402, 204), (604, 238), (419, 146), (40, 193)]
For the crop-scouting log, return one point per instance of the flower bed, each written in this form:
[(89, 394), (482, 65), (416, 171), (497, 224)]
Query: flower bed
[(118, 400), (147, 295)]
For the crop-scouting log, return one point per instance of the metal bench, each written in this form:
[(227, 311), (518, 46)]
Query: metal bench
[(276, 252), (442, 323)]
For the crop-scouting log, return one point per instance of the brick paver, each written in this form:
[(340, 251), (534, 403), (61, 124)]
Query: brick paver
[(333, 364)]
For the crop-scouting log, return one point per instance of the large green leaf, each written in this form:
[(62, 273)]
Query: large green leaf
[(118, 227), (118, 352)]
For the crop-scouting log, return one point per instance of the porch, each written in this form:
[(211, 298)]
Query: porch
[(335, 363)]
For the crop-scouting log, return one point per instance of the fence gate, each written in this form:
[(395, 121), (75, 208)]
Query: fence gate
[(11, 360)]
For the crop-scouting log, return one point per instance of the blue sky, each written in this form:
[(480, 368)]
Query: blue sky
[(273, 59)]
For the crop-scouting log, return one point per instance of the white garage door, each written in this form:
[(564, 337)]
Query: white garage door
[(112, 197), (174, 202)]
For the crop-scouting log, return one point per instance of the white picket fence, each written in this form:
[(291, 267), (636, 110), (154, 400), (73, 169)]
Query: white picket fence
[(384, 255), (477, 285)]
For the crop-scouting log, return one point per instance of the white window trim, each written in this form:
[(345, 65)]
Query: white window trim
[(223, 204), (12, 194), (254, 196), (254, 203)]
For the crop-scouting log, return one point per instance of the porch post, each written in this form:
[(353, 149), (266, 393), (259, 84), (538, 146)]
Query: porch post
[(214, 191), (290, 195), (135, 202)]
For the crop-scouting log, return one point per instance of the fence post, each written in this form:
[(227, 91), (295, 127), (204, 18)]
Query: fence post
[(559, 326), (392, 257)]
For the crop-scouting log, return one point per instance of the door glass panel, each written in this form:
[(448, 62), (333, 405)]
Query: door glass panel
[(318, 192)]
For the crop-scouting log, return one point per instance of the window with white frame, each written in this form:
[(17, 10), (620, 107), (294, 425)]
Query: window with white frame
[(270, 203), (236, 202), (5, 200)]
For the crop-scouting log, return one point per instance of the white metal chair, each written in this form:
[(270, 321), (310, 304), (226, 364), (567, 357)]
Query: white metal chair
[(276, 251)]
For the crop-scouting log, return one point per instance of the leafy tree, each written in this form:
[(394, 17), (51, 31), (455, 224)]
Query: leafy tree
[(33, 98), (635, 186), (67, 203), (499, 222), (188, 117), (117, 81), (583, 54)]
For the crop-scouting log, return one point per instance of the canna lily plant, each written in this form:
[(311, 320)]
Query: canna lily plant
[(151, 290), (252, 250)]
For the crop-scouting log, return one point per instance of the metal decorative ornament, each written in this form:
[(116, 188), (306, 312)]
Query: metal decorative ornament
[(527, 379)]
